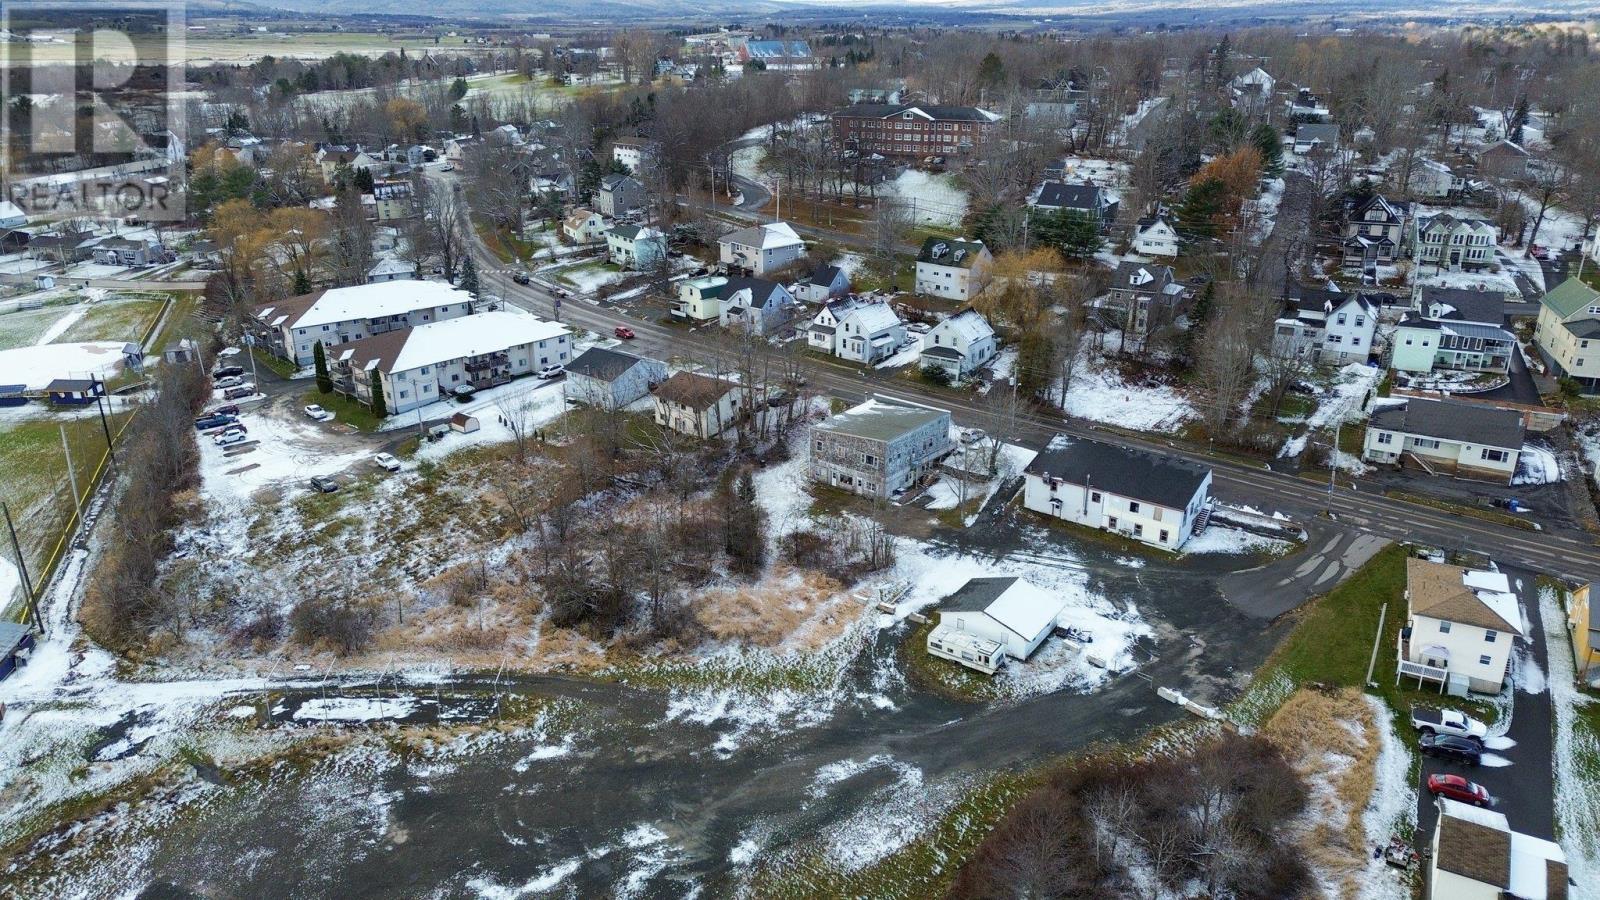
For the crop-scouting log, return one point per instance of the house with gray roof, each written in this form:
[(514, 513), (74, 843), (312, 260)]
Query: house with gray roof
[(1087, 200), (1446, 437), (1151, 497), (1146, 297), (953, 269), (869, 333), (637, 247), (619, 194), (1567, 333), (611, 379), (959, 345), (825, 283), (1311, 135), (881, 447), (757, 305)]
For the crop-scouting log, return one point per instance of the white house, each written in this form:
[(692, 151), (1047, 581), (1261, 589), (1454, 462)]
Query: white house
[(1148, 496), (698, 405), (1446, 241), (869, 332), (631, 152), (291, 328), (825, 283), (953, 269), (1433, 180), (635, 246), (756, 305), (1449, 437), (823, 332), (424, 364), (1335, 327), (1155, 236), (390, 268), (761, 249), (700, 299), (1460, 625), (11, 215), (959, 345), (611, 379), (1476, 856), (584, 226), (1009, 612), (1253, 89)]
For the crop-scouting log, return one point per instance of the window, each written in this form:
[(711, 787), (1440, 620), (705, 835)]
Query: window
[(1483, 660), (1163, 535), (1361, 321), (1489, 636), (1341, 318), (1385, 437), (1444, 627), (1355, 341), (1111, 523), (871, 460), (1133, 506), (1094, 496), (1138, 530), (1494, 455)]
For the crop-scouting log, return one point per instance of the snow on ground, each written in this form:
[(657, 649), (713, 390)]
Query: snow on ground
[(94, 270), (909, 354), (1341, 405), (354, 709), (1537, 464), (1392, 808), (931, 199), (60, 326), (585, 277), (10, 583), (285, 451), (850, 264), (949, 491), (1267, 208), (1577, 752), (1098, 393), (1217, 539), (1103, 172), (537, 403), (38, 366)]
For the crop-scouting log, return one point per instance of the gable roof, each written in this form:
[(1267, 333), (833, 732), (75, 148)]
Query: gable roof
[(1146, 277), (1449, 221), (1456, 594), (361, 301), (932, 113), (1479, 844), (693, 390), (1071, 196), (957, 253), (872, 317), (432, 343), (1453, 420), (969, 323), (602, 364), (825, 275), (1570, 297), (614, 181), (761, 289), (1326, 132), (1466, 304), (1129, 472), (1018, 606), (767, 237)]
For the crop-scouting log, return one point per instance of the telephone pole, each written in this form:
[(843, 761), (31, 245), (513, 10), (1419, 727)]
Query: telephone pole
[(99, 404), (22, 568), (72, 474)]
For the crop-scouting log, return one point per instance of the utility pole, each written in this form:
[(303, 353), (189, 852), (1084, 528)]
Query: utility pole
[(22, 568), (99, 404), (250, 351), (1333, 462), (72, 474)]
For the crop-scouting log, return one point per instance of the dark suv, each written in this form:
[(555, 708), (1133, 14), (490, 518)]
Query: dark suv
[(1448, 746), (324, 484)]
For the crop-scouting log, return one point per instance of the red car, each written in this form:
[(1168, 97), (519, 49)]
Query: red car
[(624, 332), (1457, 788)]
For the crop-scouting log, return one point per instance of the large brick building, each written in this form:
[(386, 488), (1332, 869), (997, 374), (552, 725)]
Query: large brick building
[(911, 131)]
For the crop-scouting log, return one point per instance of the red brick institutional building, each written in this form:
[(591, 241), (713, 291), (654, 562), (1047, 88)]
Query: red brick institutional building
[(911, 131)]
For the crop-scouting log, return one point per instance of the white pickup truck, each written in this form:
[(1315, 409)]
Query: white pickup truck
[(1447, 721)]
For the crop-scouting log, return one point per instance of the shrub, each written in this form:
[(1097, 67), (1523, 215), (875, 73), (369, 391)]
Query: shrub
[(340, 625), (936, 375)]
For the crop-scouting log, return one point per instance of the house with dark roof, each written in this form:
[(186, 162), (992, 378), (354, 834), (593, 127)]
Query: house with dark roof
[(75, 391), (1333, 327), (1372, 232), (910, 131), (1449, 437), (1011, 614), (611, 379), (823, 284), (1454, 328), (619, 194), (1087, 200), (1152, 497), (698, 405), (1312, 135), (1567, 333), (953, 269), (1146, 297), (1503, 159), (1460, 625), (1475, 854), (1155, 236), (16, 643), (880, 447), (1448, 241), (637, 247), (759, 306)]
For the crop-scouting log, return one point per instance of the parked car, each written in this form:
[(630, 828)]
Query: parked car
[(1448, 746), (551, 371), (522, 278), (316, 412), (231, 381), (1458, 788), (227, 409), (231, 436), (206, 422), (227, 371), (386, 462), (1446, 721), (624, 332), (447, 167), (971, 435), (463, 392), (240, 392), (1538, 252), (324, 484), (438, 432)]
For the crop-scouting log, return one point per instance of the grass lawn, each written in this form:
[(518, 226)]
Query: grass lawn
[(346, 410), (24, 327), (115, 320), (941, 676), (1488, 515), (283, 367), (505, 246)]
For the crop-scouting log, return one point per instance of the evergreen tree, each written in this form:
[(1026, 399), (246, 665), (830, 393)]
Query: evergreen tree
[(1223, 68), (991, 72), (1201, 208), (469, 276), (379, 407), (1519, 118), (1269, 144), (302, 283), (363, 180), (320, 357), (1075, 233), (744, 534), (458, 89)]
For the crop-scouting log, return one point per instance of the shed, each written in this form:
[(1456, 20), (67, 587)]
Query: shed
[(16, 643), (1009, 611), (133, 355), (44, 282), (464, 423), (74, 391), (180, 352), (13, 394)]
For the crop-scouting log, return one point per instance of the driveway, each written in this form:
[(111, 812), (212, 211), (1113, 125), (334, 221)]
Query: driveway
[(1520, 778)]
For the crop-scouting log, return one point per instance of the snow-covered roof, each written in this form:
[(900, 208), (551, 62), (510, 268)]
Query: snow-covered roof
[(873, 317), (392, 266), (1014, 603), (1479, 844), (371, 301), (475, 335), (882, 419), (770, 236), (969, 323), (1454, 594)]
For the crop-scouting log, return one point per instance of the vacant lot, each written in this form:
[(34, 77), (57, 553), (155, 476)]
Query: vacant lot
[(25, 327), (114, 320)]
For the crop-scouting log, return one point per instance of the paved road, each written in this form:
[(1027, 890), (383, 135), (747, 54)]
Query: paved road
[(1520, 778)]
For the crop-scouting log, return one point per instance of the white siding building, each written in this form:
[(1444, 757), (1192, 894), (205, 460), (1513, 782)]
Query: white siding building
[(698, 405), (1150, 497), (1460, 625), (1446, 437), (1476, 856), (1009, 612), (1155, 236), (761, 249), (960, 345), (291, 328), (869, 332), (611, 379), (953, 269)]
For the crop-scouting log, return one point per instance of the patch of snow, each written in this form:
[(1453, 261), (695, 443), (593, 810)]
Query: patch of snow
[(1391, 809), (1537, 464), (60, 326), (1577, 792), (909, 354), (355, 709), (1493, 760), (1098, 393), (37, 366), (1216, 539), (930, 199)]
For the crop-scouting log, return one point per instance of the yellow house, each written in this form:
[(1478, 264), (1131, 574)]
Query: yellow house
[(1585, 633), (1568, 332)]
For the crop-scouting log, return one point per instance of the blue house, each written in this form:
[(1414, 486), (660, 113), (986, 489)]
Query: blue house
[(16, 642)]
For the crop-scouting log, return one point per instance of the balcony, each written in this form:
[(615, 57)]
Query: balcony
[(488, 361)]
